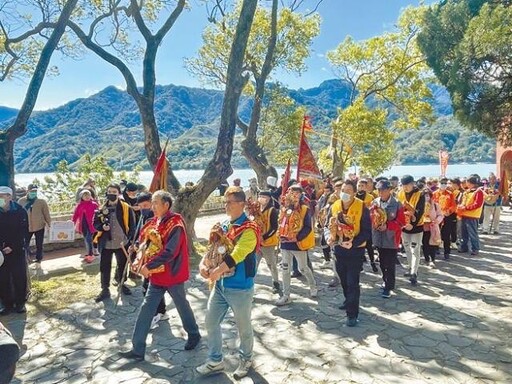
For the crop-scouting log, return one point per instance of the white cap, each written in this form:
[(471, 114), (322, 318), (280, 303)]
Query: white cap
[(272, 181), (5, 190)]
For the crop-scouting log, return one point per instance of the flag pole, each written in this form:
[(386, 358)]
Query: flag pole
[(300, 145)]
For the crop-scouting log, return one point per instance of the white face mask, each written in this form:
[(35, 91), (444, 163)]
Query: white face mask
[(442, 187), (2, 202), (345, 197)]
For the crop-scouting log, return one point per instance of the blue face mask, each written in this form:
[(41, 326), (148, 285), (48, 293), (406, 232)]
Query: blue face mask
[(32, 195), (2, 202)]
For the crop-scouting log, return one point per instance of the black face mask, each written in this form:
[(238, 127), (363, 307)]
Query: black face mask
[(111, 197)]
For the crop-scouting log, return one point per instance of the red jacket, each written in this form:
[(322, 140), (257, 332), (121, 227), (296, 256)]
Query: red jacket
[(87, 208), (174, 253)]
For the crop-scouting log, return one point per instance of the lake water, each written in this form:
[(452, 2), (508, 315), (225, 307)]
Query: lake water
[(432, 170)]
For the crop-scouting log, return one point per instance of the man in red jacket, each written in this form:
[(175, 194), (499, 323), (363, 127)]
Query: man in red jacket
[(166, 264)]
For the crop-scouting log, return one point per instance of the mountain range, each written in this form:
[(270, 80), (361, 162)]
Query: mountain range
[(108, 123)]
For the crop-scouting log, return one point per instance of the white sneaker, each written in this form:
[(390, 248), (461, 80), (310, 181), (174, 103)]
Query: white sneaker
[(210, 367), (243, 369), (432, 265), (313, 291), (154, 322), (283, 300), (165, 316)]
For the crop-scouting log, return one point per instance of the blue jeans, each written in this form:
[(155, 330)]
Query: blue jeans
[(148, 308), (240, 301), (469, 234), (87, 238)]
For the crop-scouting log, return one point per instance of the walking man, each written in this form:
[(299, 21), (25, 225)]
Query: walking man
[(38, 217), (236, 291), (470, 211), (166, 265)]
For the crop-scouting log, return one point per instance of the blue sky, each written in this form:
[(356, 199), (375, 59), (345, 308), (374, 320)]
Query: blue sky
[(360, 19)]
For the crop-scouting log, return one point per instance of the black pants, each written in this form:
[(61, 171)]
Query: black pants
[(447, 230), (13, 279), (387, 258), (429, 251), (161, 305), (325, 248), (349, 269), (39, 243), (370, 250), (106, 266)]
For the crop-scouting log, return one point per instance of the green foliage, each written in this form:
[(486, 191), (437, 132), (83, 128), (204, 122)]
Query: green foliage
[(364, 136), (467, 44), (63, 185), (390, 72)]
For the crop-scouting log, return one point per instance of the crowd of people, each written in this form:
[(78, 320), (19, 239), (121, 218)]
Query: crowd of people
[(352, 217)]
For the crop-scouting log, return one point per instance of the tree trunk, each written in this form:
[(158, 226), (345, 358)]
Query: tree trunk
[(7, 161), (19, 126), (258, 161), (188, 201), (337, 164)]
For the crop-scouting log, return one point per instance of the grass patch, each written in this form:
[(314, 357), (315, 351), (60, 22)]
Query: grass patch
[(59, 292)]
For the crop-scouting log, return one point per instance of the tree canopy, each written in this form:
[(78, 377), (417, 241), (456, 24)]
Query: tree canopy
[(467, 44)]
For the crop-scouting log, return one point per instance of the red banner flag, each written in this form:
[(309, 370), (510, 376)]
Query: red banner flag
[(443, 161), (306, 167), (286, 178), (159, 180)]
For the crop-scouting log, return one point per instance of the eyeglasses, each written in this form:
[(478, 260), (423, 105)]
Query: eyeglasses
[(228, 202)]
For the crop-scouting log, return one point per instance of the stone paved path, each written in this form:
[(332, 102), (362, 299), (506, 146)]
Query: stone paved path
[(454, 327)]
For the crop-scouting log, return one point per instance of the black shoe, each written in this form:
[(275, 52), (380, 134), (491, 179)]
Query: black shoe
[(413, 279), (474, 253), (276, 287), (131, 355), (126, 291), (115, 283), (3, 310), (296, 274), (104, 294), (343, 306), (386, 294), (192, 342), (460, 250), (407, 274), (351, 322), (374, 268), (21, 308), (447, 256), (334, 282)]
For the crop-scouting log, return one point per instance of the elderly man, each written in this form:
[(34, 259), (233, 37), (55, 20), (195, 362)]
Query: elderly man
[(38, 217), (167, 267), (13, 271), (234, 286)]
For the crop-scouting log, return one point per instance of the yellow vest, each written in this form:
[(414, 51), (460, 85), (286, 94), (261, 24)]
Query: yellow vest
[(468, 198), (354, 213), (415, 198), (272, 240), (309, 241)]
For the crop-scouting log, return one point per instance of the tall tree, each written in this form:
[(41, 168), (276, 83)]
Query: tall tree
[(16, 55), (280, 38), (467, 43), (387, 77)]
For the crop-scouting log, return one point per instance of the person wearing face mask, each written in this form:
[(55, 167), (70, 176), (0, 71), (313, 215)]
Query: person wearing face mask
[(413, 201), (386, 234), (130, 197), (269, 236), (367, 198), (349, 245), (13, 271), (446, 201), (83, 218), (115, 223), (38, 217)]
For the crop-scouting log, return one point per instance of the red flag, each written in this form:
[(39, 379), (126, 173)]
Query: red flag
[(306, 124), (159, 180), (286, 178), (306, 167), (443, 161)]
